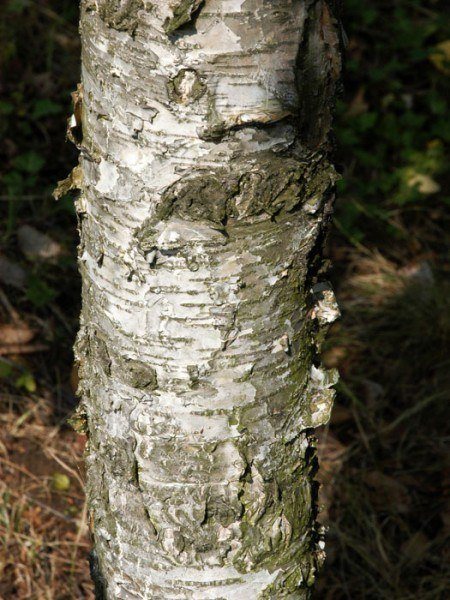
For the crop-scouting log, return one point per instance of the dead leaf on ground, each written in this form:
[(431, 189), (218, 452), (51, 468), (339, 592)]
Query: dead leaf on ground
[(16, 333), (334, 356), (424, 183), (331, 455), (340, 414), (440, 57), (416, 548), (358, 105), (387, 492)]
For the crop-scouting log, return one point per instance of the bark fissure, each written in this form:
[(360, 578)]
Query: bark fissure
[(200, 210)]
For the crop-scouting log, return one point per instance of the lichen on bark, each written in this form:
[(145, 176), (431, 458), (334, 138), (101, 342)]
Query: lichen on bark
[(122, 15)]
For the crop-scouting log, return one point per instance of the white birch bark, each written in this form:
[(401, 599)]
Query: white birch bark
[(205, 196)]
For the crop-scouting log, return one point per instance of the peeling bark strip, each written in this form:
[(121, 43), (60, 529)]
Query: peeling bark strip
[(204, 204)]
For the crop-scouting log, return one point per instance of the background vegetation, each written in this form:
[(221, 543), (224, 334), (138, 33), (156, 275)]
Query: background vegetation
[(384, 472)]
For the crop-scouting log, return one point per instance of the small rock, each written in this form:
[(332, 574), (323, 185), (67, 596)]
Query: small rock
[(11, 273), (37, 246)]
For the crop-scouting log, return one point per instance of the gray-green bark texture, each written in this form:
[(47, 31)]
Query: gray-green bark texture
[(203, 129)]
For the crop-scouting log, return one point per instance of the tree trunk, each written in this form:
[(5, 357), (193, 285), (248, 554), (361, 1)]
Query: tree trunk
[(205, 197)]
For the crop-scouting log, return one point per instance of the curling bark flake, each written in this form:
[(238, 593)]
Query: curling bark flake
[(205, 197)]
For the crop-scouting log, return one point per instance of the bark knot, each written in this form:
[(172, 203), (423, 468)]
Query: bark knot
[(186, 87)]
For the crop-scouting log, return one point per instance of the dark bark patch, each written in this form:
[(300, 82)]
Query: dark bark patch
[(137, 374), (97, 577), (271, 185), (100, 353), (201, 198)]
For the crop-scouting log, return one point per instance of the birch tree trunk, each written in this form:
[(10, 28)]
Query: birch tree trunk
[(205, 197)]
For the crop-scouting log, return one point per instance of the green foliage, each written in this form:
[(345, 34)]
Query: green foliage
[(392, 127), (29, 162), (45, 108), (39, 292), (17, 6), (39, 63), (5, 369), (26, 382), (20, 378)]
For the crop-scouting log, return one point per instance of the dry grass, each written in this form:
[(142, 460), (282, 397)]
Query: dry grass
[(43, 532), (383, 464), (387, 492)]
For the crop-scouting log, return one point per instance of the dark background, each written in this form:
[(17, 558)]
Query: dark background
[(384, 470)]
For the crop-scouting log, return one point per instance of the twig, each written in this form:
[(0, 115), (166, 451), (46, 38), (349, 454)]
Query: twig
[(22, 349), (19, 468), (60, 462), (49, 509), (9, 307)]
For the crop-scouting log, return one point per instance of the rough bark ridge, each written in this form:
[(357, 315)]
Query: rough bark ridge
[(206, 190)]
